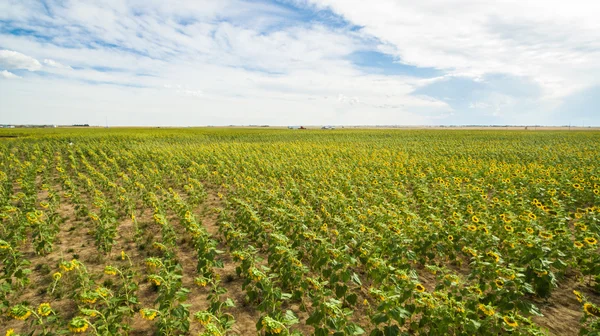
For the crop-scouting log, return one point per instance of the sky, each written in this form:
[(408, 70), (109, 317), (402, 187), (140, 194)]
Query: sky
[(300, 62)]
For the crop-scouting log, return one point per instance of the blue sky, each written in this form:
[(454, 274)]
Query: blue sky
[(343, 62)]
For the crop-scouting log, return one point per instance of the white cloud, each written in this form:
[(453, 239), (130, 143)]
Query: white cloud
[(555, 43), (55, 64), (348, 100), (10, 59), (8, 75)]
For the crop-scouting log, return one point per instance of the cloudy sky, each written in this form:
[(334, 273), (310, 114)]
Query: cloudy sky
[(300, 62)]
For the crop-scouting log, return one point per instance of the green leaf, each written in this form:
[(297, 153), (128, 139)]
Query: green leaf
[(340, 290), (315, 318), (391, 330), (399, 314), (379, 318), (352, 298)]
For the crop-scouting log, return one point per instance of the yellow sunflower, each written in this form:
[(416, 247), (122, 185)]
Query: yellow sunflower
[(420, 288), (511, 322)]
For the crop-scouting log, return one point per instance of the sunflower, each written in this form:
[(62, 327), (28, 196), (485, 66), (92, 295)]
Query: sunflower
[(578, 295), (89, 312), (19, 312), (578, 244), (4, 245), (155, 279), (486, 310), (110, 270), (590, 240), (153, 262), (499, 283), (472, 228), (470, 251), (560, 231), (78, 325), (148, 314), (203, 317), (201, 281), (103, 291), (529, 230), (44, 309), (493, 255), (10, 332), (420, 288), (590, 309), (159, 246), (546, 235), (88, 297), (511, 322), (508, 228), (475, 219), (450, 238), (532, 216)]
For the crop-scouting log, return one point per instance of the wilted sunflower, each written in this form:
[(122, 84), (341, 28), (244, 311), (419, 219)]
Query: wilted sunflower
[(19, 312), (78, 325)]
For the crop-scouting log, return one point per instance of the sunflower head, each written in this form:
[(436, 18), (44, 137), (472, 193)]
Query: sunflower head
[(19, 312), (591, 309), (148, 314), (511, 322), (44, 309), (578, 295), (419, 288), (78, 325)]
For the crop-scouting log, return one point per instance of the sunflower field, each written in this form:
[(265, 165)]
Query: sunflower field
[(209, 231)]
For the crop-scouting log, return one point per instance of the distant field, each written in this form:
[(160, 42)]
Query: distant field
[(223, 231)]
